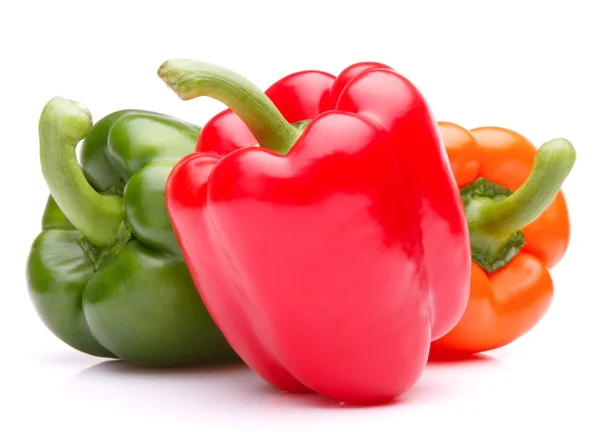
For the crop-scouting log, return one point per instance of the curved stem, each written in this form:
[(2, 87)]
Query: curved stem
[(492, 223), (191, 79), (62, 125)]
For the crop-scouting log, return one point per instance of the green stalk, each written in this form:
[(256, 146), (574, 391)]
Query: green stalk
[(493, 224), (191, 79), (63, 124)]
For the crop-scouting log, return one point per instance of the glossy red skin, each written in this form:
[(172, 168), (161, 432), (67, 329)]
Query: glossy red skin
[(329, 269)]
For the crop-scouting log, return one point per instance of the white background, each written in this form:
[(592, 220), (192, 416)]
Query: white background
[(530, 66)]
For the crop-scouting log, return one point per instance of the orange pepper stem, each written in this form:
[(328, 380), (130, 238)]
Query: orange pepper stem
[(493, 224), (191, 79)]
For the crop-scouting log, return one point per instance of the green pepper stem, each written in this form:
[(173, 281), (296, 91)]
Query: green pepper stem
[(492, 222), (191, 79), (63, 124)]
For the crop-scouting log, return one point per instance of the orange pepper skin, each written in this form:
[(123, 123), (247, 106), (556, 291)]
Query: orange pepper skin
[(508, 302)]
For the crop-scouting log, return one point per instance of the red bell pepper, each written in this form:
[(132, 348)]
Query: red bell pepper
[(333, 254)]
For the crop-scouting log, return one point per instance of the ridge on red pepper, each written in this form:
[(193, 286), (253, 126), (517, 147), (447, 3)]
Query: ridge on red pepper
[(330, 252)]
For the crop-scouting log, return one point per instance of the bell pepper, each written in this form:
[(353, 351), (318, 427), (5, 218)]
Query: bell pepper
[(106, 274), (519, 229), (333, 251)]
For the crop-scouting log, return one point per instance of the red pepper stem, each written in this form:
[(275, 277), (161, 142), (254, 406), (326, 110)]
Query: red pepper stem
[(493, 222), (64, 123), (191, 79)]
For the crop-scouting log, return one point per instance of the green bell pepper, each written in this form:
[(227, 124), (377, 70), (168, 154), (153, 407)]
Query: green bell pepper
[(106, 274)]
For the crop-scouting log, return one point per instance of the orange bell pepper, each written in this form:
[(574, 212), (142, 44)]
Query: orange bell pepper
[(519, 229)]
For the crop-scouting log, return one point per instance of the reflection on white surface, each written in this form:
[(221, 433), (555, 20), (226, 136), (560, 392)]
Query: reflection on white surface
[(70, 396), (225, 390), (184, 390)]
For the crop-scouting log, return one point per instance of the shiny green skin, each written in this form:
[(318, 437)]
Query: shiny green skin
[(136, 301)]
